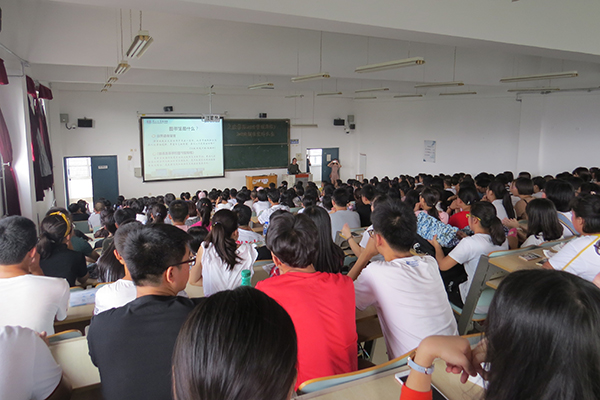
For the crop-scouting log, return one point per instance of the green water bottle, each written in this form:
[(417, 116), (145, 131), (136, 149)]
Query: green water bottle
[(246, 277)]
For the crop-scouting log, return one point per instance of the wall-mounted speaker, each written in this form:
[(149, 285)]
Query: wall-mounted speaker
[(339, 122), (85, 123)]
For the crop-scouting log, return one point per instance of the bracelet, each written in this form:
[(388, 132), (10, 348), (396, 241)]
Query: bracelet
[(416, 367)]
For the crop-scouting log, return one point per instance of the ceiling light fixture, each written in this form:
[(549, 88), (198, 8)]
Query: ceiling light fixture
[(383, 89), (407, 62), (329, 93), (122, 67), (292, 96), (365, 98), (112, 79), (439, 84), (140, 44), (456, 93), (534, 89), (264, 85), (555, 75), (305, 126), (311, 77), (403, 96)]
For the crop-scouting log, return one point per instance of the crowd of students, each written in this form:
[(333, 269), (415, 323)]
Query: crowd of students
[(417, 256)]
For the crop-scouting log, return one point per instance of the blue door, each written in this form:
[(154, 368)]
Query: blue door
[(328, 156), (105, 178)]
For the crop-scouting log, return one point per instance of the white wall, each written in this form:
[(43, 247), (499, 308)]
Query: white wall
[(116, 131)]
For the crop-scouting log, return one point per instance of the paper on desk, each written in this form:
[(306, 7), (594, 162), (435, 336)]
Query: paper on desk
[(478, 380), (82, 297)]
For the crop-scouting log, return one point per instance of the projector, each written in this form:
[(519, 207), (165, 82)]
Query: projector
[(212, 118)]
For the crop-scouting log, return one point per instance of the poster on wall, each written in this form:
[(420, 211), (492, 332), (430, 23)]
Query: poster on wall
[(429, 151)]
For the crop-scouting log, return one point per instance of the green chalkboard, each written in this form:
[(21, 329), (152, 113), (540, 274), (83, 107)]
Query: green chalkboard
[(256, 143)]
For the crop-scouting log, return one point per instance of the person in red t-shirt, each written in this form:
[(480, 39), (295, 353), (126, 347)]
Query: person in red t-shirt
[(467, 195), (321, 304)]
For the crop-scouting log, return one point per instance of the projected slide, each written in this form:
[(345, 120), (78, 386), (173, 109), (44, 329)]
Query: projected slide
[(181, 148)]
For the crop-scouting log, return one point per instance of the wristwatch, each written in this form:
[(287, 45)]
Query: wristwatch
[(416, 367)]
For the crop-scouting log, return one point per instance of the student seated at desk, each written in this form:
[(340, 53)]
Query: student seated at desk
[(542, 341), (561, 193), (320, 304), (238, 344), (56, 258), (132, 346), (489, 236), (178, 211), (261, 203), (407, 290), (27, 298), (330, 257), (94, 219), (27, 369), (522, 188), (220, 260), (204, 207), (245, 233), (340, 214), (274, 196), (581, 256), (542, 223)]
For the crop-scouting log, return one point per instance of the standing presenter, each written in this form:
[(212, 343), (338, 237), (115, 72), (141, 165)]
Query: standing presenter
[(335, 170), (293, 168)]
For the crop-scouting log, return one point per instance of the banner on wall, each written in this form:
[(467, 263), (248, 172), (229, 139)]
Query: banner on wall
[(429, 151)]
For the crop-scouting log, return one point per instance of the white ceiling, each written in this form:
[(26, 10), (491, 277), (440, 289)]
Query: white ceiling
[(233, 43)]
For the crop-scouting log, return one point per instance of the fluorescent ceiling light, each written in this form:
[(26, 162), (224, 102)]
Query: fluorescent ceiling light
[(534, 89), (122, 67), (112, 79), (104, 90), (264, 85), (140, 44), (383, 89), (408, 62), (402, 96), (439, 84), (554, 75), (305, 125), (329, 94), (365, 98), (320, 75), (107, 85), (456, 93), (291, 96)]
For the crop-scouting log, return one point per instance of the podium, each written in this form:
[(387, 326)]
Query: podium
[(260, 180), (293, 179)]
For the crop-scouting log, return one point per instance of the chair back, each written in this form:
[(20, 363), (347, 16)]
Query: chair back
[(74, 358), (64, 335), (82, 226)]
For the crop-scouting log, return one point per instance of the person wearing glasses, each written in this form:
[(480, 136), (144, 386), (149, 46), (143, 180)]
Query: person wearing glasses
[(132, 346), (221, 259), (581, 256), (489, 236), (407, 290)]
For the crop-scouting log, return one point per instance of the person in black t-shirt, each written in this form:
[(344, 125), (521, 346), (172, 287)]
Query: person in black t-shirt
[(132, 345), (293, 168)]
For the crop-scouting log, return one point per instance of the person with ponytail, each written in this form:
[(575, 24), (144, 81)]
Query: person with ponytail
[(467, 196), (158, 213), (489, 236), (428, 200), (581, 256), (57, 258), (220, 260), (500, 198), (205, 208)]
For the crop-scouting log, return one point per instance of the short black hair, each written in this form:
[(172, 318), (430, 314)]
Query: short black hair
[(107, 219), (151, 250), (124, 214), (368, 192), (124, 230), (18, 237), (561, 193), (178, 210), (293, 239), (588, 208), (261, 195), (273, 195), (244, 214), (396, 222), (340, 197), (524, 186), (198, 234)]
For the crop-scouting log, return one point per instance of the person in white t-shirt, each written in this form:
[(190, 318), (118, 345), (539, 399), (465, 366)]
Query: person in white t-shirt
[(245, 233), (581, 256), (262, 202), (27, 298), (407, 290), (340, 214), (274, 196), (27, 369), (489, 236), (220, 260)]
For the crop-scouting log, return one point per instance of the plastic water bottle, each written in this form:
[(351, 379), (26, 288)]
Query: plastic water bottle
[(246, 277)]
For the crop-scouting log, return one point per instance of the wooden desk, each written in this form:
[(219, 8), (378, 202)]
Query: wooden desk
[(384, 386), (77, 314), (260, 180), (366, 314)]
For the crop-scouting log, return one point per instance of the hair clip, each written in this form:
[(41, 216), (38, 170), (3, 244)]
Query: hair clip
[(66, 221)]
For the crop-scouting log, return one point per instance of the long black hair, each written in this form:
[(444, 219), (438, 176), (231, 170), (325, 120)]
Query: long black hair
[(224, 224), (237, 344), (330, 257), (431, 197), (486, 213), (54, 229), (543, 219), (500, 193), (204, 207), (543, 334)]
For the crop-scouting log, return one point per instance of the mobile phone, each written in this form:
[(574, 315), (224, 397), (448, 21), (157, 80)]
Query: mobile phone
[(436, 394)]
